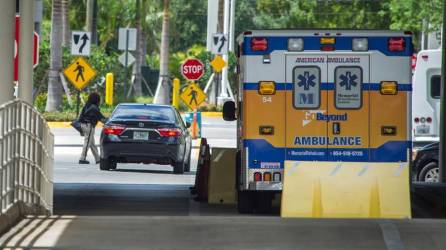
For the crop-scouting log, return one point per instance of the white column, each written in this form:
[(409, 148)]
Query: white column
[(26, 44), (7, 31), (232, 35), (224, 76)]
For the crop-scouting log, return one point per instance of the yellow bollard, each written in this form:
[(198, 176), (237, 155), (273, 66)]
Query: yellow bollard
[(176, 93), (194, 125), (109, 89)]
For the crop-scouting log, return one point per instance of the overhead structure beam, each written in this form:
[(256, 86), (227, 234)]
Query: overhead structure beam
[(442, 164), (7, 33), (26, 46)]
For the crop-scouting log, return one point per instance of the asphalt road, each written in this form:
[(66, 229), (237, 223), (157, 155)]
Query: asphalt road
[(131, 189), (148, 207)]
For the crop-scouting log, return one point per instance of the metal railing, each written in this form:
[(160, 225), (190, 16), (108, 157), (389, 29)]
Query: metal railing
[(26, 160)]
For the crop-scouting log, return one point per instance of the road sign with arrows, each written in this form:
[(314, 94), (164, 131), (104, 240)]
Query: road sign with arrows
[(80, 43), (219, 44)]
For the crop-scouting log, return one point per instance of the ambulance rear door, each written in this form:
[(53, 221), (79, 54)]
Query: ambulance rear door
[(348, 109), (306, 101)]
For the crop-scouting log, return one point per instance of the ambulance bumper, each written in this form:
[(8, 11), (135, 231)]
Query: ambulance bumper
[(266, 185)]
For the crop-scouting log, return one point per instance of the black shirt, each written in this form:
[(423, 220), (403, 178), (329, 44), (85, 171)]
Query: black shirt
[(91, 114)]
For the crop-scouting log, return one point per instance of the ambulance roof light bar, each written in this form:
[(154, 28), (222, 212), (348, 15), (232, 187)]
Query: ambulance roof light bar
[(295, 44), (259, 44), (360, 44), (396, 44)]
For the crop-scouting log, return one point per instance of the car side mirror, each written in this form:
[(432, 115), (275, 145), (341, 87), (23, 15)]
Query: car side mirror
[(188, 124), (229, 111)]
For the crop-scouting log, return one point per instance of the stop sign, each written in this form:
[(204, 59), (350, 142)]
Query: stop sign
[(192, 69), (16, 48)]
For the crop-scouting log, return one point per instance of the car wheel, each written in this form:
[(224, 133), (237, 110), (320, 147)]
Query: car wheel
[(104, 164), (178, 168), (113, 165), (187, 164), (430, 173)]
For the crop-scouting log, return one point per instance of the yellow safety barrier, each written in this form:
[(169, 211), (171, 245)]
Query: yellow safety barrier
[(346, 190), (176, 93), (109, 89), (221, 186)]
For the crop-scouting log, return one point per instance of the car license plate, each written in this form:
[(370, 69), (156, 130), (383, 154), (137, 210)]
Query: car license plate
[(423, 129), (137, 135)]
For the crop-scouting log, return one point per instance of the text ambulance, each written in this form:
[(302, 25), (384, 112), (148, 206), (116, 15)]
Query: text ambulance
[(318, 96)]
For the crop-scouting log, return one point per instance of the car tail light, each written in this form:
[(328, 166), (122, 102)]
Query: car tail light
[(267, 176), (429, 120), (396, 44), (277, 176), (259, 44), (416, 120), (169, 132), (114, 129), (257, 176)]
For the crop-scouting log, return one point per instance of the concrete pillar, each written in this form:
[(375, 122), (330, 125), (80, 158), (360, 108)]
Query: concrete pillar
[(26, 8), (7, 31)]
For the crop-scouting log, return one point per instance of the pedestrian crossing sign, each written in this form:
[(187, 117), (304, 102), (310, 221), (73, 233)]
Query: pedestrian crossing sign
[(79, 73), (193, 96)]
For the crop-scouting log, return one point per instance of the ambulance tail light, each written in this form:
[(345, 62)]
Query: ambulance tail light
[(429, 119), (267, 88), (396, 44), (259, 44), (327, 48), (360, 44), (277, 177), (416, 120), (296, 44), (267, 176), (257, 176), (328, 40), (389, 88)]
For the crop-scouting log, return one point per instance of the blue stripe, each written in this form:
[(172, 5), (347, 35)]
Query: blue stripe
[(262, 151), (342, 43), (327, 86)]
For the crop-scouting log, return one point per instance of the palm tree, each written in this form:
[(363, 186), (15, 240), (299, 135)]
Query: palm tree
[(66, 38), (162, 93), (54, 99)]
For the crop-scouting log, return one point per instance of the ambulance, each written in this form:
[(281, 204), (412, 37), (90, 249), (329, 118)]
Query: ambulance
[(426, 98), (318, 96)]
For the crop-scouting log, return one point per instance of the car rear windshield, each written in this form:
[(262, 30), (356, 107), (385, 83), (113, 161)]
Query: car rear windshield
[(144, 112)]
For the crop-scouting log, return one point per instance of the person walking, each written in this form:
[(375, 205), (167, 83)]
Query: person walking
[(89, 118)]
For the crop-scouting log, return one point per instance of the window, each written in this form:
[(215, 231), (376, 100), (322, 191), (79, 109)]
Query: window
[(435, 86), (348, 87), (145, 112), (307, 87)]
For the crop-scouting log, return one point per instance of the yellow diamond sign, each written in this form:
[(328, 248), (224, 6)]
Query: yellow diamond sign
[(193, 96), (79, 73), (218, 64)]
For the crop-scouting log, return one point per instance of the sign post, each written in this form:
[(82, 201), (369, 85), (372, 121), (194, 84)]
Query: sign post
[(79, 73), (193, 69), (127, 42), (80, 43)]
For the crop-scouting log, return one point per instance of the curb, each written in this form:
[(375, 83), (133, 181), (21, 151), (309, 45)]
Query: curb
[(67, 124)]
